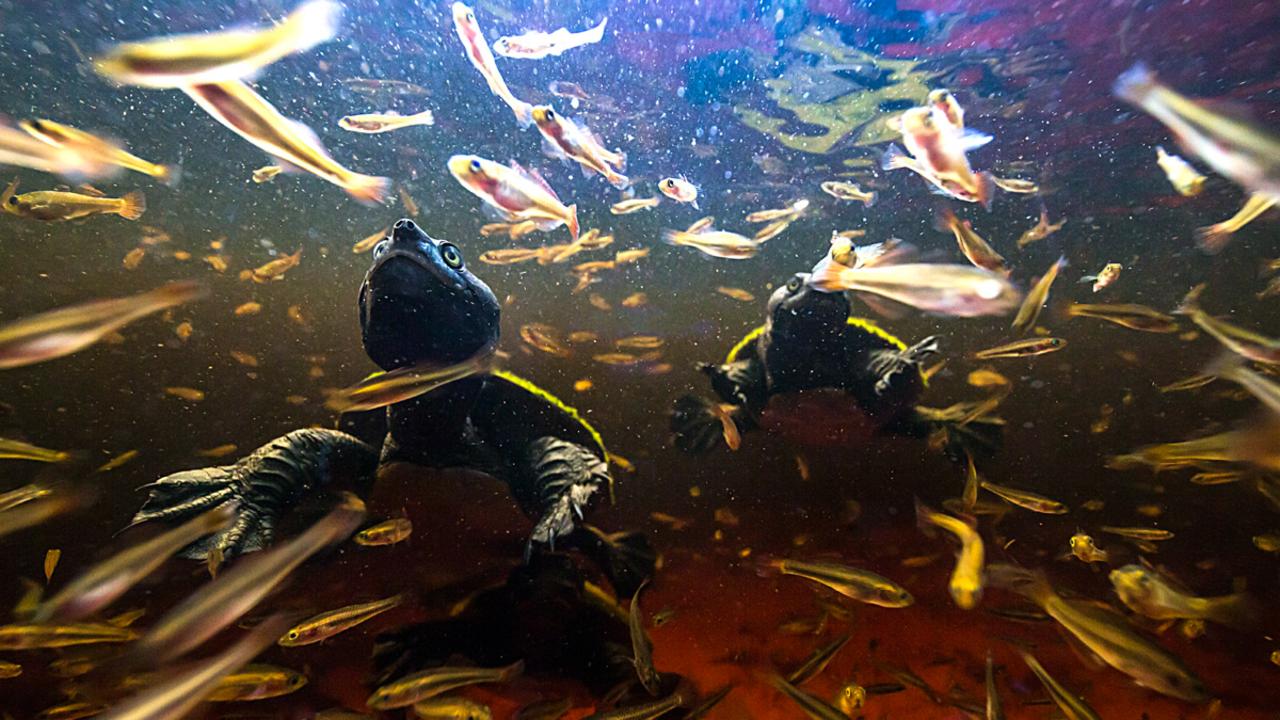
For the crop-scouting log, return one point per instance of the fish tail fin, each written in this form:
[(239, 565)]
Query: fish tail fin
[(924, 518), (767, 565), (673, 237), (513, 670), (871, 199), (894, 158), (313, 23), (572, 222), (619, 160), (523, 112), (617, 179), (944, 219), (1031, 584), (169, 175), (986, 189), (369, 189), (1135, 84), (1191, 301), (1239, 610), (1211, 239), (132, 205), (1224, 365), (696, 424), (596, 34)]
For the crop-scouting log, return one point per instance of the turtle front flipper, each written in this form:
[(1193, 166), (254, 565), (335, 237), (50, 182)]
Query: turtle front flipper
[(741, 382), (264, 483), (887, 365), (562, 477)]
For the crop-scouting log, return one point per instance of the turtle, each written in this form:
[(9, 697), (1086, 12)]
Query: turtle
[(819, 374), (419, 303)]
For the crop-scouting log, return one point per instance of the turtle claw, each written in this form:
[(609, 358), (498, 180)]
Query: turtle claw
[(565, 477)]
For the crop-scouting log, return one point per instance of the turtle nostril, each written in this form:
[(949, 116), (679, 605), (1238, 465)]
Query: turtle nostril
[(404, 225)]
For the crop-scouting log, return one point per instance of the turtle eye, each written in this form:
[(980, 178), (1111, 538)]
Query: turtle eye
[(452, 257), (475, 166), (13, 199), (793, 285)]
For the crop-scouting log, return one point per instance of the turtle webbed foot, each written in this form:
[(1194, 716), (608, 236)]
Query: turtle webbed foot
[(263, 485), (886, 364), (566, 476)]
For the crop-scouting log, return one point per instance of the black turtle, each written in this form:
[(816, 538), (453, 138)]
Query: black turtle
[(810, 358), (419, 303)]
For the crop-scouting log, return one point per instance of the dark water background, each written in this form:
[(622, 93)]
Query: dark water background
[(1035, 76)]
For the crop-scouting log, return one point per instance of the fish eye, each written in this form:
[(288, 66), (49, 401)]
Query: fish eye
[(551, 114), (293, 634), (670, 182), (475, 166), (452, 257), (471, 16)]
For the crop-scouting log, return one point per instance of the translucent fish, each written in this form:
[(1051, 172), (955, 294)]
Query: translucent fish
[(373, 123), (38, 636), (854, 583), (812, 705), (1022, 348), (514, 192), (180, 61), (977, 250), (65, 136), (736, 293), (1241, 341), (626, 207), (436, 681), (1184, 178), (642, 646), (535, 45), (1025, 499), (257, 682), (389, 532), (11, 449), (1147, 593), (1029, 312), (389, 388), (715, 243), (817, 661), (545, 338), (1071, 705), (956, 290), (1041, 230), (481, 57), (966, 581), (327, 624), (59, 206), (61, 332), (849, 191)]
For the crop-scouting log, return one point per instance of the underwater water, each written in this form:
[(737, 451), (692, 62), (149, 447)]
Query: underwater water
[(757, 104)]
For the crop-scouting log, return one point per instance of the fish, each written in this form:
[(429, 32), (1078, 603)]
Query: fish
[(1022, 348), (327, 624), (729, 428), (545, 709), (1029, 312), (1086, 550), (715, 243), (817, 661), (736, 294), (266, 173), (368, 242), (565, 139), (938, 152), (704, 223), (1072, 706), (626, 207), (516, 193), (72, 711), (975, 249), (1024, 499), (43, 636), (771, 231), (1182, 176), (388, 532), (388, 388), (383, 87), (958, 290), (680, 190), (38, 506), (635, 300), (1105, 277), (1134, 317), (1222, 477), (11, 449), (249, 308), (1145, 592), (849, 191), (9, 670), (186, 393), (223, 601), (710, 702), (246, 113), (180, 61), (1236, 149), (1041, 230), (107, 152), (1233, 368), (272, 270), (987, 378), (1015, 185), (1243, 342), (566, 89), (966, 580), (1189, 383), (642, 646), (1139, 533), (372, 123), (1213, 238), (59, 206), (946, 104), (510, 256), (244, 358), (435, 681), (514, 231), (104, 583), (790, 212), (854, 583), (535, 45), (1107, 635), (995, 710), (641, 342), (72, 162), (58, 333), (645, 711), (133, 258), (545, 338), (812, 705), (481, 57), (22, 495), (451, 708), (1267, 542), (257, 682), (176, 696)]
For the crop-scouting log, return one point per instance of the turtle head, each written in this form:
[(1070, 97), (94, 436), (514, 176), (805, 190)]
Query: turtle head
[(798, 309), (419, 303)]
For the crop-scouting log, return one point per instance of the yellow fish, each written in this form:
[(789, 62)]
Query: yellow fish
[(59, 135), (967, 578), (370, 123), (326, 625), (60, 206)]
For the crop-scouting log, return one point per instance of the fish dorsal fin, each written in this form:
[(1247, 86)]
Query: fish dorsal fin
[(535, 176), (972, 139), (90, 190)]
